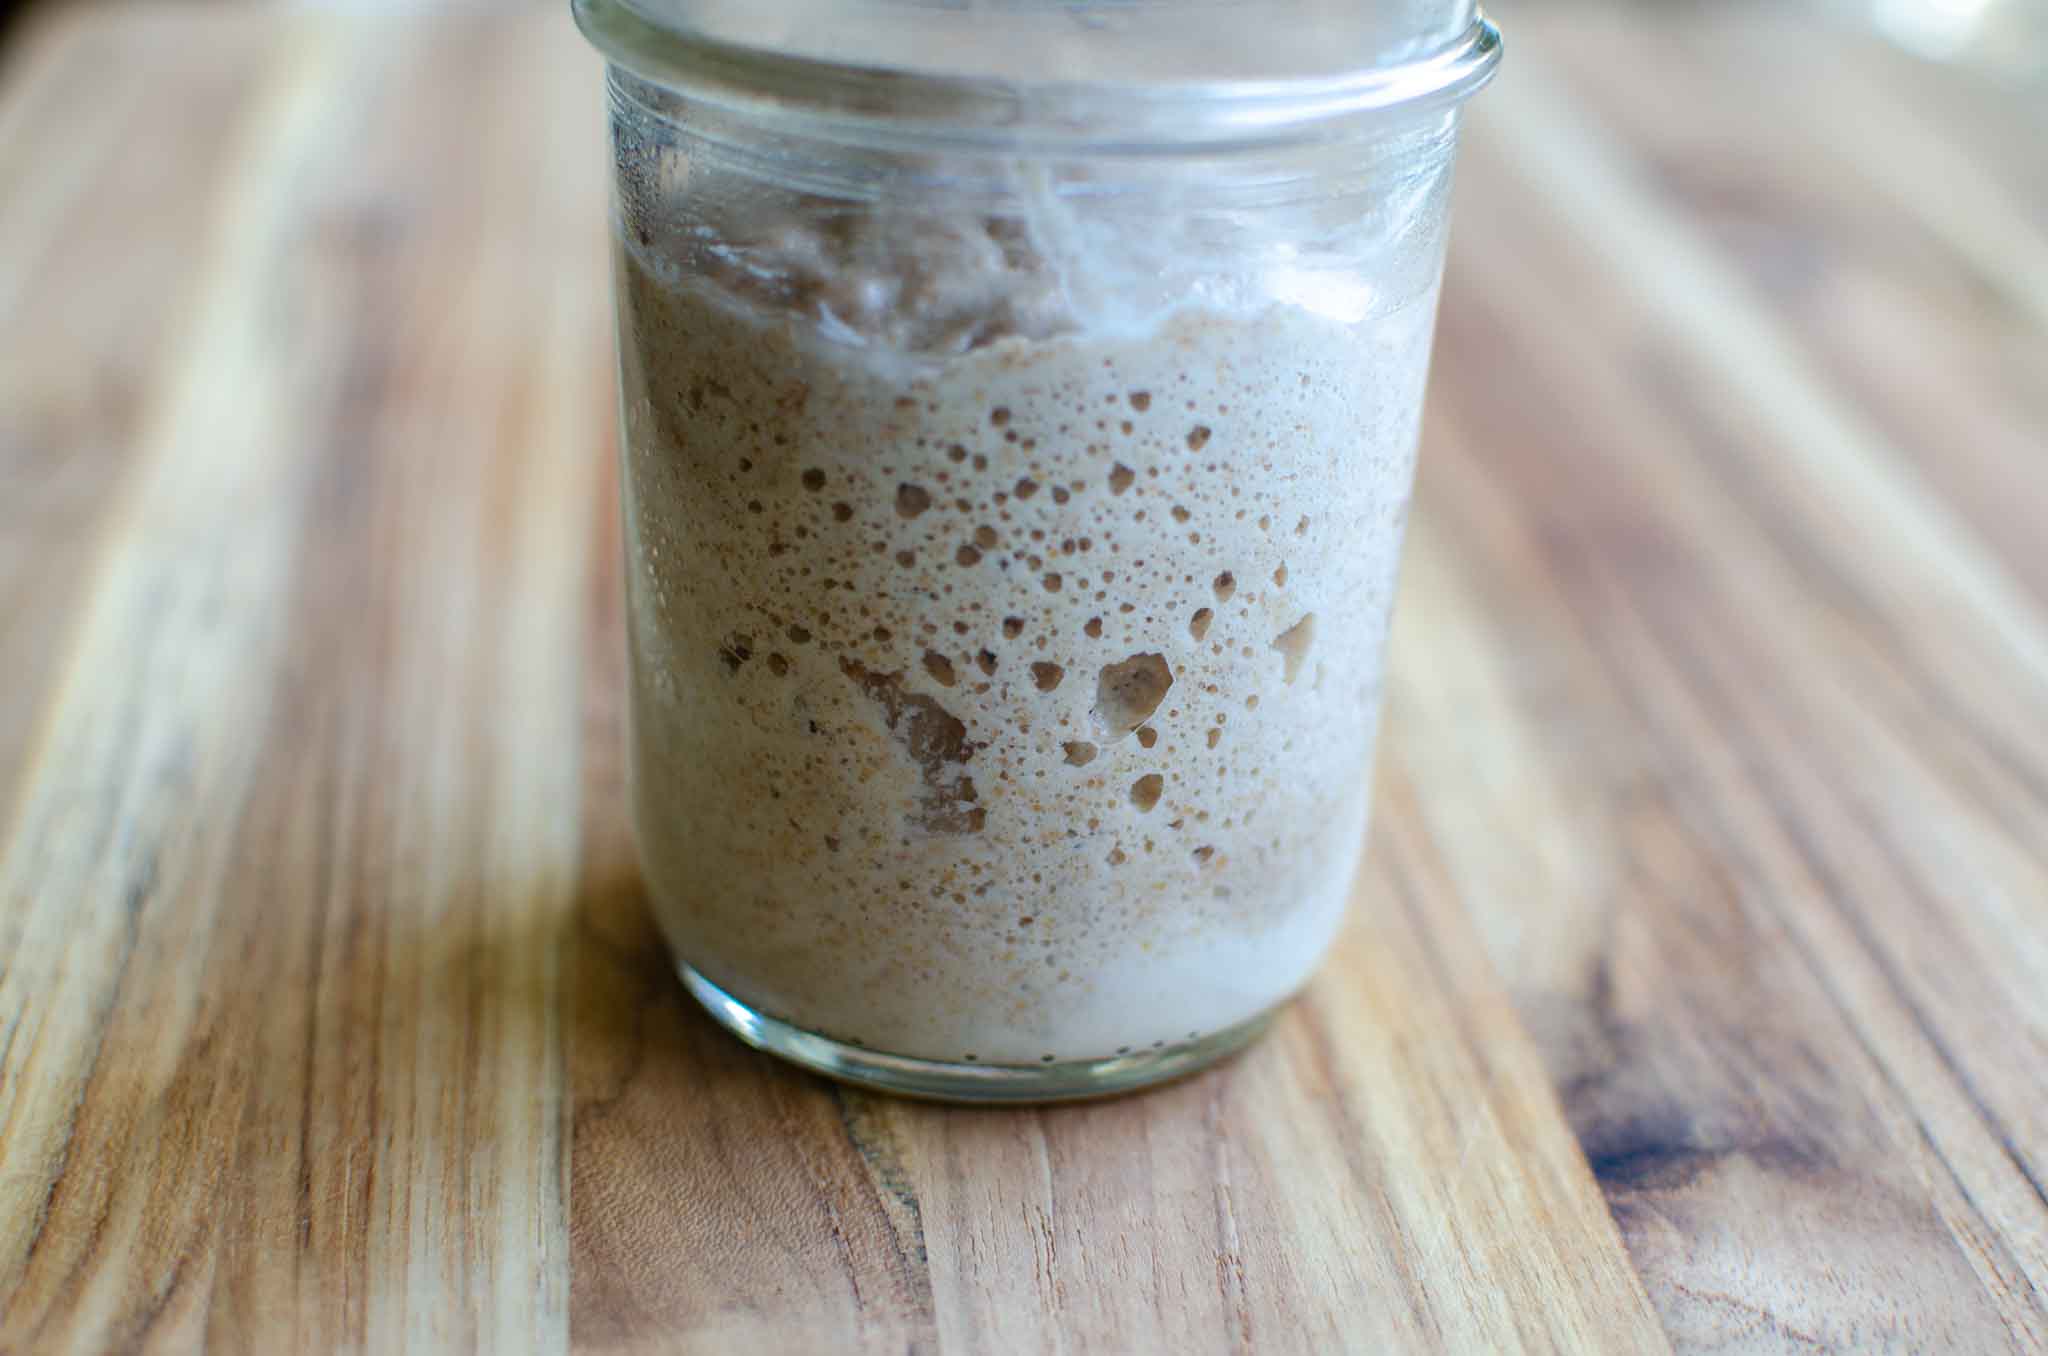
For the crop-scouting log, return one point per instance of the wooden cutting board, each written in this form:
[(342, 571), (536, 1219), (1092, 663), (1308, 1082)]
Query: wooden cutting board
[(1697, 992)]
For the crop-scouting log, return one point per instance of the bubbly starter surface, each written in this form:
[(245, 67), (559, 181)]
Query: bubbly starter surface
[(1014, 704)]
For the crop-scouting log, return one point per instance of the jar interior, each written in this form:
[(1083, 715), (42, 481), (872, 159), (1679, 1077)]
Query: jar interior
[(924, 253)]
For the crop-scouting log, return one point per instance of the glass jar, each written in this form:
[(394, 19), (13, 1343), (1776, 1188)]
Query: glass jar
[(1019, 418)]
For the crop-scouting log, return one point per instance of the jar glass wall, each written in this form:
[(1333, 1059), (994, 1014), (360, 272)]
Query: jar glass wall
[(1014, 491)]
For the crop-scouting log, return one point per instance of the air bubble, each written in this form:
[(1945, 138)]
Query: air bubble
[(1141, 401), (1198, 625), (1198, 437), (1093, 628), (912, 500), (736, 651), (1147, 736), (1080, 753), (1013, 627), (967, 555), (1047, 676), (939, 667), (936, 741), (814, 480), (1120, 478), (1127, 693), (1293, 645), (1226, 584)]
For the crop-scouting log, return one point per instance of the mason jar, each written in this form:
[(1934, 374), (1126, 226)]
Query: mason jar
[(1019, 420)]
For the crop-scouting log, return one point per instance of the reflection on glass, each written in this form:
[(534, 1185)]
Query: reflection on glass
[(2008, 36)]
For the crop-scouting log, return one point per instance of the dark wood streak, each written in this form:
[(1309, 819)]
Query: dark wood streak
[(1644, 1160), (1807, 566), (1645, 1149), (1760, 1316), (1696, 669), (1230, 1269), (868, 1130)]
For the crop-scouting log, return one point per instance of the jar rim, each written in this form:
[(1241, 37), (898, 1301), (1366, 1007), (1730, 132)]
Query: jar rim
[(869, 104)]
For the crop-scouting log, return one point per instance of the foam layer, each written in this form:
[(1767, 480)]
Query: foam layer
[(1017, 707)]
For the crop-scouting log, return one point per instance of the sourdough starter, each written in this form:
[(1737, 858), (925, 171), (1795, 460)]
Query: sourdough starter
[(1003, 691)]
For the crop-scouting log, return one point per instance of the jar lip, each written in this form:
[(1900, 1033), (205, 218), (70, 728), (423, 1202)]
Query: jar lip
[(876, 106)]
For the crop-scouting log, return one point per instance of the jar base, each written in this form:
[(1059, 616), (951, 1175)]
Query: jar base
[(982, 1084)]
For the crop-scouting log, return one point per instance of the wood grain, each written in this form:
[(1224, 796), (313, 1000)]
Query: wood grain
[(110, 296), (291, 866), (1780, 881), (1697, 990)]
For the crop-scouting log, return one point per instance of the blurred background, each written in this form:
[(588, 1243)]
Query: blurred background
[(2005, 37)]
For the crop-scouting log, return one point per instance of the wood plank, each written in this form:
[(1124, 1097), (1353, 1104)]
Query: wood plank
[(1764, 716), (94, 307), (1899, 240), (288, 884)]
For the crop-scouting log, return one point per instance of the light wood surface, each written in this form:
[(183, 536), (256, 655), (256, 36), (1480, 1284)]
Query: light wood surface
[(1697, 992)]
